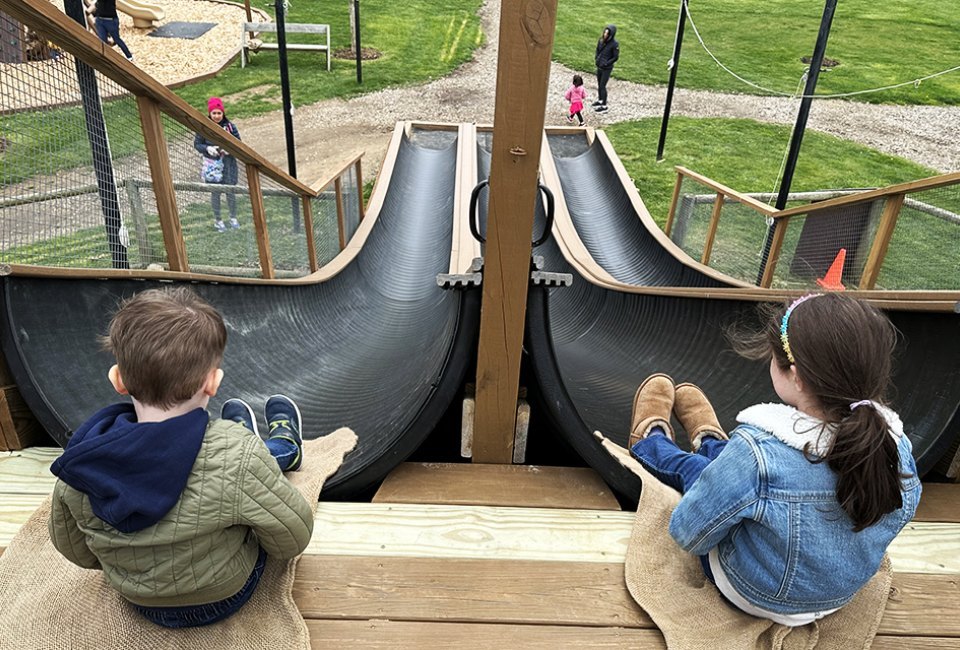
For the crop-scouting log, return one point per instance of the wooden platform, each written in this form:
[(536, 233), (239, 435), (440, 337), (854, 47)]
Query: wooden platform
[(446, 575)]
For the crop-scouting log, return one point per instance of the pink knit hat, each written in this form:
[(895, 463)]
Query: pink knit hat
[(215, 103)]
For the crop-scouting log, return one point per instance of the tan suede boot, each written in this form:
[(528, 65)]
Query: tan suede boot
[(651, 407), (697, 416)]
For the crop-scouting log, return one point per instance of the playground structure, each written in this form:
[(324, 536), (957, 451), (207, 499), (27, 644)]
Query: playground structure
[(145, 15), (380, 347)]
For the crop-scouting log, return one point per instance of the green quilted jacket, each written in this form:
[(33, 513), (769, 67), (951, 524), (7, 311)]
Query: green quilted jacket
[(203, 550)]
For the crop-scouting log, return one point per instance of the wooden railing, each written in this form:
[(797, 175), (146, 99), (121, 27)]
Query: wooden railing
[(153, 101), (894, 198)]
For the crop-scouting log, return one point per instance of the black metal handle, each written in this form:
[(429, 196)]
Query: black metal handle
[(475, 219), (548, 227)]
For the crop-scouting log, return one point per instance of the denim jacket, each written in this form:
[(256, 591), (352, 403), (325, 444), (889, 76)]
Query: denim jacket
[(783, 540)]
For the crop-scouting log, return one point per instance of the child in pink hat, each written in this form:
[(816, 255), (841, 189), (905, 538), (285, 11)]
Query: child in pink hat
[(212, 152)]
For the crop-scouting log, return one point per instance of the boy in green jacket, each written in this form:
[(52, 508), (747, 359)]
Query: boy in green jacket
[(178, 509)]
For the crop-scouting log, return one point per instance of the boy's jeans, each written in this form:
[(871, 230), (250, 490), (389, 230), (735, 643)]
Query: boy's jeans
[(197, 615), (283, 450), (677, 468)]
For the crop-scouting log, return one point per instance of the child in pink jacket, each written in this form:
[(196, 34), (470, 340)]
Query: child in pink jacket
[(576, 95)]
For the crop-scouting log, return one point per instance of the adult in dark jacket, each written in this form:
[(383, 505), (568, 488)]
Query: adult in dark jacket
[(107, 22), (608, 51), (213, 151)]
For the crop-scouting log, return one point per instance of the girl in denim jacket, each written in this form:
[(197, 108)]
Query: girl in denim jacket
[(791, 514)]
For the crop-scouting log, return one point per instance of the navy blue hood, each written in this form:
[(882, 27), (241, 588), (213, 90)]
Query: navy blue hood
[(133, 473)]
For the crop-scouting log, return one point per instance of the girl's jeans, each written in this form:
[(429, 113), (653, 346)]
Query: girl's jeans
[(677, 468), (197, 615), (111, 27)]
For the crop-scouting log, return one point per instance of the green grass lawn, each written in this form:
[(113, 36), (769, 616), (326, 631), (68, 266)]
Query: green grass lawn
[(877, 42), (419, 40), (746, 156)]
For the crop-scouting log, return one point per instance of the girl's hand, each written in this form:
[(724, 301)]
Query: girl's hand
[(213, 151)]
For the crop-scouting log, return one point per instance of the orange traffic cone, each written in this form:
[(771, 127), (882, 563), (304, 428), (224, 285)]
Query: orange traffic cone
[(831, 281)]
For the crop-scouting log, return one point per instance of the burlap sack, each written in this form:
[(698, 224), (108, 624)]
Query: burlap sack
[(48, 603), (669, 585)]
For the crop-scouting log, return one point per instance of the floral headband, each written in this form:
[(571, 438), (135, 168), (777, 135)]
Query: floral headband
[(784, 339)]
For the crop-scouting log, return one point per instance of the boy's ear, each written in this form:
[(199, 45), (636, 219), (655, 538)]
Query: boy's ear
[(114, 376), (212, 384)]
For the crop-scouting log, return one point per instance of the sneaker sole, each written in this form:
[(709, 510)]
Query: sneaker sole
[(295, 408)]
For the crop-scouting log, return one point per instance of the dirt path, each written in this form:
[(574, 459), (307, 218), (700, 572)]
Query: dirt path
[(332, 131)]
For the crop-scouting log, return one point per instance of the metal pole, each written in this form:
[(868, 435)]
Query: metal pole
[(674, 64), (287, 105), (99, 148), (356, 18), (797, 138)]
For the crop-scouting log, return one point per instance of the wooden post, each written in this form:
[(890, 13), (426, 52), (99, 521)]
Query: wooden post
[(159, 160), (712, 229), (360, 189), (341, 219), (523, 65), (673, 203), (881, 241), (260, 222), (776, 245), (308, 227)]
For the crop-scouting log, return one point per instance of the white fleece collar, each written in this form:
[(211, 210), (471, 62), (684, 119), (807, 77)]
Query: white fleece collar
[(797, 429)]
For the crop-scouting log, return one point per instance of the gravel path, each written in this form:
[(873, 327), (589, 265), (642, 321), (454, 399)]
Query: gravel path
[(333, 130)]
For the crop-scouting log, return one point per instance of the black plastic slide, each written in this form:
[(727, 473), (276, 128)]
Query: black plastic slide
[(378, 348), (591, 346)]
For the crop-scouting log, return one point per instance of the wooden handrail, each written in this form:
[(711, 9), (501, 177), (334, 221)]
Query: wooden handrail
[(72, 38), (776, 245), (341, 218), (740, 197), (308, 230), (260, 223), (674, 198), (712, 228), (871, 195)]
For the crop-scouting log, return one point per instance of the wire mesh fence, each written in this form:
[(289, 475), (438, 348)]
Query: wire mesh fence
[(62, 181), (924, 251), (76, 188), (813, 243)]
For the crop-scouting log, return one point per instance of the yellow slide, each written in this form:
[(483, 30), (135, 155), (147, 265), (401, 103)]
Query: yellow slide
[(144, 14)]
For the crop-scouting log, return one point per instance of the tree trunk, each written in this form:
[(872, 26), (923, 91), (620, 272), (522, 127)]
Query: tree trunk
[(353, 28)]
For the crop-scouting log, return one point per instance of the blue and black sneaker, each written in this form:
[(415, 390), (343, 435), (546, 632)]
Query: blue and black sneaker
[(236, 410), (284, 423)]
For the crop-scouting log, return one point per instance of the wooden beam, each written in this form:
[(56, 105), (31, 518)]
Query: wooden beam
[(341, 217), (779, 234), (260, 223), (673, 203), (940, 502), (308, 230), (740, 197), (881, 241), (712, 228), (523, 65), (156, 144), (497, 485)]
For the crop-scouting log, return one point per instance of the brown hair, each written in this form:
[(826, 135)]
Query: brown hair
[(843, 353), (165, 342)]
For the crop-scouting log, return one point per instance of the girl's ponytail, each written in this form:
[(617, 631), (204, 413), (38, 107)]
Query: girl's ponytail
[(865, 458)]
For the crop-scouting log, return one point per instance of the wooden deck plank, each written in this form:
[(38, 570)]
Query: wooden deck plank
[(480, 532), (497, 485), (466, 591), (392, 635), (939, 502), (28, 471), (544, 593)]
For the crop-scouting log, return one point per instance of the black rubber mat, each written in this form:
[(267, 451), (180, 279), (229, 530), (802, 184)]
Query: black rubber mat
[(379, 348), (590, 347), (182, 29)]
